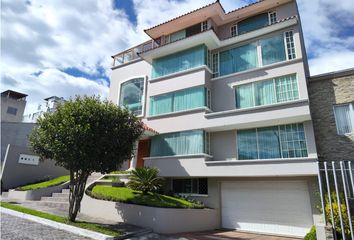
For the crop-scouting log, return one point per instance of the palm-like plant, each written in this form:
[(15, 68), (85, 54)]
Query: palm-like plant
[(145, 180)]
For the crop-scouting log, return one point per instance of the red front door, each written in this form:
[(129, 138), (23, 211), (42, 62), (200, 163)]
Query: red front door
[(143, 151)]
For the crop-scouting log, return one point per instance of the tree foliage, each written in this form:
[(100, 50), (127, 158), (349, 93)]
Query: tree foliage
[(85, 135), (145, 180)]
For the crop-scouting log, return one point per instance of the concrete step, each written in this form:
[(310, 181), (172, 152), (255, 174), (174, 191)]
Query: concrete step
[(55, 199), (64, 206), (61, 195), (67, 191)]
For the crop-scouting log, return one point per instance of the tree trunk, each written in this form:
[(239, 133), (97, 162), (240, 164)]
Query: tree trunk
[(77, 189)]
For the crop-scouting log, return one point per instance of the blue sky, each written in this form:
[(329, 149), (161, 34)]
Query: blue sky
[(63, 47)]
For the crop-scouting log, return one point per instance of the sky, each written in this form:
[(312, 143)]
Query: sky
[(63, 47)]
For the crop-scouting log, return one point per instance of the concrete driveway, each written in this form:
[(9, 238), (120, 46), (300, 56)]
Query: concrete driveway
[(229, 235)]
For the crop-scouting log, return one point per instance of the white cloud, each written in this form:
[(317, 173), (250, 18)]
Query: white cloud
[(48, 36)]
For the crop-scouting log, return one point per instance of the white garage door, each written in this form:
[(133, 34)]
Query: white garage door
[(278, 207)]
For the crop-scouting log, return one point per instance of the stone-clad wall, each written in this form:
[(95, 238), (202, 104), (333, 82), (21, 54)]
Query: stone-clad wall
[(326, 91)]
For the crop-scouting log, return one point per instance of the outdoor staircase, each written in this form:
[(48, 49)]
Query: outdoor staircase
[(60, 201)]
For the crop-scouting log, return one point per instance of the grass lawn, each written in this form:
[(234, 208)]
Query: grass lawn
[(89, 226), (49, 183), (127, 195)]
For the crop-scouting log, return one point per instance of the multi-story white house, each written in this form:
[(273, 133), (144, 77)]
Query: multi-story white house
[(50, 105), (227, 94)]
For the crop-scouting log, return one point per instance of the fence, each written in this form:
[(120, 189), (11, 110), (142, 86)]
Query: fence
[(336, 183)]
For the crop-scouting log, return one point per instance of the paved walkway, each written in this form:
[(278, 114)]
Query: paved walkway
[(14, 228), (230, 235)]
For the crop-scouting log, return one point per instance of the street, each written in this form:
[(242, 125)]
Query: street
[(14, 228)]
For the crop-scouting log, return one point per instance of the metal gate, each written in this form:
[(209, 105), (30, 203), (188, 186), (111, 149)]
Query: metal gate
[(336, 183)]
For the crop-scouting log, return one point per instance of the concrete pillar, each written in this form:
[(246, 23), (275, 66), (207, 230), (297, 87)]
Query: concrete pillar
[(135, 157)]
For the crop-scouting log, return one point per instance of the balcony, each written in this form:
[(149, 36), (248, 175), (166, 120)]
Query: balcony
[(204, 166), (157, 48), (213, 40)]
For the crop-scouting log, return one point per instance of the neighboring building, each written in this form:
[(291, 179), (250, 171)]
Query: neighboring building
[(12, 106), (332, 110), (50, 105), (227, 93), (19, 165)]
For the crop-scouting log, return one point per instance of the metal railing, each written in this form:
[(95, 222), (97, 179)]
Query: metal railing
[(336, 184)]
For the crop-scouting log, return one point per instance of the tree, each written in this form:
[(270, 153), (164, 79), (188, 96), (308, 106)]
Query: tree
[(145, 179), (85, 135)]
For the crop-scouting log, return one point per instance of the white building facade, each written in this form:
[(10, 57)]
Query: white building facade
[(227, 93)]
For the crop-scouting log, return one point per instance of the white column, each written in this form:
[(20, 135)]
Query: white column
[(135, 157)]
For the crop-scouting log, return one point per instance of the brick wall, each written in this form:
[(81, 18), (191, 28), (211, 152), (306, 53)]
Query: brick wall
[(326, 91)]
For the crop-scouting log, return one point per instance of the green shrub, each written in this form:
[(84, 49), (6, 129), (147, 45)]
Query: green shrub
[(145, 180), (336, 217), (311, 235)]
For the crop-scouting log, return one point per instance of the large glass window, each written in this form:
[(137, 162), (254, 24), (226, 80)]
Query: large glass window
[(132, 94), (344, 115), (253, 23), (185, 99), (285, 141), (179, 143), (238, 59), (280, 89), (180, 61), (190, 186), (273, 49)]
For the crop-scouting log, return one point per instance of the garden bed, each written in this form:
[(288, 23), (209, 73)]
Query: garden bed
[(126, 195), (44, 184)]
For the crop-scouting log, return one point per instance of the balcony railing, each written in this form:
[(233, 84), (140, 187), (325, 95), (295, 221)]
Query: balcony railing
[(133, 53)]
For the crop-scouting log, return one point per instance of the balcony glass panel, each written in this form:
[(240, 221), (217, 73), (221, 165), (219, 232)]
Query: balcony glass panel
[(180, 61), (185, 99), (238, 59), (273, 49), (253, 23), (178, 35), (179, 143)]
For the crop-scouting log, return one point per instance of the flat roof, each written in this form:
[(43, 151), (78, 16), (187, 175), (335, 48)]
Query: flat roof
[(335, 74), (13, 94)]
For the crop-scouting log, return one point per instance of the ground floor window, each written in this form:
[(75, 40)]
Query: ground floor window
[(190, 186)]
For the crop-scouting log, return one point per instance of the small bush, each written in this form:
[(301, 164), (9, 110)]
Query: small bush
[(311, 235), (145, 180), (335, 209)]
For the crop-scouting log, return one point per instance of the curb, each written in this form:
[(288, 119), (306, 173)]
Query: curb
[(61, 226)]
